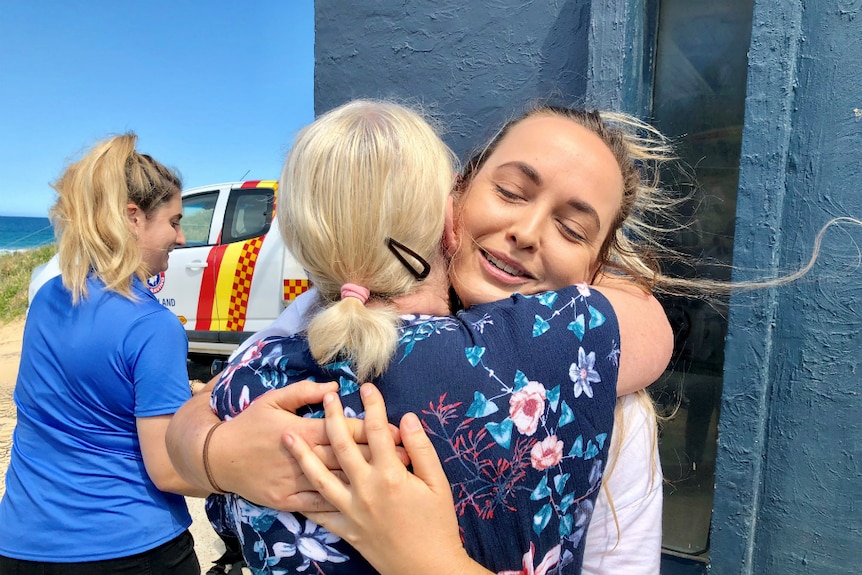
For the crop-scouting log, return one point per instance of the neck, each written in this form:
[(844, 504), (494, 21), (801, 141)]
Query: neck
[(431, 297)]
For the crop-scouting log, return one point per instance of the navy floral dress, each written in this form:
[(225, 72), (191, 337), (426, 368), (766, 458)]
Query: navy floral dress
[(518, 398)]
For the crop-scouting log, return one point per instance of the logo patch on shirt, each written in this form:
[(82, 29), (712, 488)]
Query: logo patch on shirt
[(156, 283)]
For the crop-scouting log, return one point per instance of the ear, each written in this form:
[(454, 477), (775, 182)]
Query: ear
[(596, 270), (450, 237), (133, 213)]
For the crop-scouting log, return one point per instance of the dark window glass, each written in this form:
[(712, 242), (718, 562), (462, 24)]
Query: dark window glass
[(699, 99), (197, 218), (248, 214)]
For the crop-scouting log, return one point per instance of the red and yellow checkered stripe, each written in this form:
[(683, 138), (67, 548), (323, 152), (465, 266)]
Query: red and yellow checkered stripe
[(228, 285), (241, 289), (228, 281), (294, 288)]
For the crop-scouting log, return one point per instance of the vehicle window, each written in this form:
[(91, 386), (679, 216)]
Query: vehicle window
[(699, 100), (197, 217), (248, 215)]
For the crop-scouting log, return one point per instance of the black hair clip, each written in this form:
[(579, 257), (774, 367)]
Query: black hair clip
[(394, 247)]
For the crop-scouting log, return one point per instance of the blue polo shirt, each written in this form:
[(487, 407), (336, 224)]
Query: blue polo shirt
[(76, 486)]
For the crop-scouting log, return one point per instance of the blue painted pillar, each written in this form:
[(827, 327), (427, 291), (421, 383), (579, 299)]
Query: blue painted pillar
[(789, 470), (621, 54)]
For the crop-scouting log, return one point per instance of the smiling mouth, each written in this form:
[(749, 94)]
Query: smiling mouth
[(504, 267)]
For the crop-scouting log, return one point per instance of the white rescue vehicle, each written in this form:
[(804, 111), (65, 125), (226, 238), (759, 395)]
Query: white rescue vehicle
[(233, 277)]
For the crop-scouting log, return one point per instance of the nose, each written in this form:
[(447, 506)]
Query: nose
[(181, 237), (526, 231)]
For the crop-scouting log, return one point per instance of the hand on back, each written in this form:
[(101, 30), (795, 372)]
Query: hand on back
[(277, 480), (384, 533)]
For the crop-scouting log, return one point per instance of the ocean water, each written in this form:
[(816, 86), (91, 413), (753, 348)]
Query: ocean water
[(17, 233)]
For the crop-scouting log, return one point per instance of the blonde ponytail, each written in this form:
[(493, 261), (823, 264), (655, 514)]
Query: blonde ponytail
[(348, 330), (90, 213), (351, 187)]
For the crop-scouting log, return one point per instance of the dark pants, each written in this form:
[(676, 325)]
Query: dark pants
[(176, 557)]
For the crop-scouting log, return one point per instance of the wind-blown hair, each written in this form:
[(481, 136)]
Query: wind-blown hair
[(357, 176), (640, 151), (636, 246), (90, 215)]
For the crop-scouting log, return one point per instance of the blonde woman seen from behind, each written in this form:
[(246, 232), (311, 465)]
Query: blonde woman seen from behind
[(537, 402)]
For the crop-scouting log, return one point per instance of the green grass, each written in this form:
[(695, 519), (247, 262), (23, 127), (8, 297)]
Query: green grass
[(15, 270)]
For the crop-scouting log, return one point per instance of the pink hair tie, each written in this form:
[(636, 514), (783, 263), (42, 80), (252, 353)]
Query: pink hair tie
[(357, 291)]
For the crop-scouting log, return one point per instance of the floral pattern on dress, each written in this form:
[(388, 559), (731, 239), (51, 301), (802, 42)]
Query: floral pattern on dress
[(307, 542), (510, 430)]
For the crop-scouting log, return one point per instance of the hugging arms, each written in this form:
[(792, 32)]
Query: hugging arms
[(540, 228)]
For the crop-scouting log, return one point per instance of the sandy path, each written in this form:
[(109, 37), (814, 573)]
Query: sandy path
[(207, 544), (10, 351)]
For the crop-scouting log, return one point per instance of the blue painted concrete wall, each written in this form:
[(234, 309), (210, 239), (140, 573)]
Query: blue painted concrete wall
[(471, 63), (789, 480)]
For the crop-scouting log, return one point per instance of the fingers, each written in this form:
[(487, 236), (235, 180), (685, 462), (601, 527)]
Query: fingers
[(308, 392), (341, 439), (426, 462), (322, 479), (376, 424), (307, 502), (357, 430), (313, 431), (299, 394), (403, 456), (315, 436), (333, 521), (360, 433), (326, 454)]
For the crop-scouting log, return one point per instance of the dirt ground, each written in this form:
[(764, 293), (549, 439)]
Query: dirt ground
[(207, 544)]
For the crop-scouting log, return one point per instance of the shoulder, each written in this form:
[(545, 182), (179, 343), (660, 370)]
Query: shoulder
[(635, 443), (152, 316), (277, 353), (583, 311), (143, 318), (625, 529), (579, 293), (636, 432)]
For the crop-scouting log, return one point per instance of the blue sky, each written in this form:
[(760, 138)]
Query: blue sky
[(215, 89)]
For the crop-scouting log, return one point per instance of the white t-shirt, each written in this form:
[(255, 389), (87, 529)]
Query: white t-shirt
[(635, 482), (633, 545)]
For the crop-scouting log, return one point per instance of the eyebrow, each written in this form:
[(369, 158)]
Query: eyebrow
[(534, 176), (587, 210), (525, 169)]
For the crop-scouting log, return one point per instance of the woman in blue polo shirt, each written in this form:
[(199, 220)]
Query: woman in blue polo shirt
[(90, 488)]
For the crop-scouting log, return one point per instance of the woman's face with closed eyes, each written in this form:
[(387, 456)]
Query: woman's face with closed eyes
[(536, 214)]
